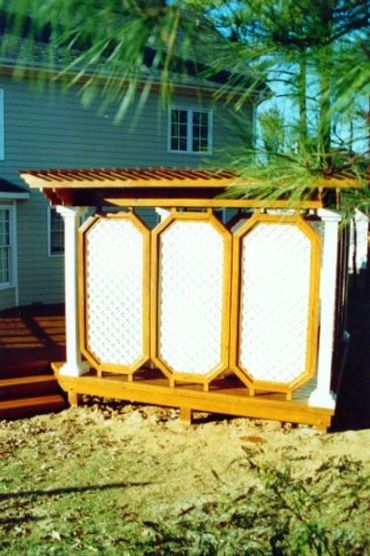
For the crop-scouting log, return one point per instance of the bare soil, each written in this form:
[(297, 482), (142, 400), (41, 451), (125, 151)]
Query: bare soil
[(114, 478), (110, 465)]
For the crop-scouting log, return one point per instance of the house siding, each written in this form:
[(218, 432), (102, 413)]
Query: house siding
[(7, 298), (49, 128)]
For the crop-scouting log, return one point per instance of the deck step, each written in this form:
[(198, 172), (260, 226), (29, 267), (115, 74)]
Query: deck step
[(24, 368), (28, 386), (5, 382), (27, 407)]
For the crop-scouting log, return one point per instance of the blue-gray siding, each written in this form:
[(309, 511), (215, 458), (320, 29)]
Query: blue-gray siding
[(50, 129)]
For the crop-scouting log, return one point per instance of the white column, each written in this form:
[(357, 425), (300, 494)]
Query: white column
[(162, 213), (74, 366), (322, 396)]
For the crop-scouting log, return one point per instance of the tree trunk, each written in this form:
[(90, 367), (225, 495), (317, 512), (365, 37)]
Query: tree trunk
[(324, 131), (302, 100)]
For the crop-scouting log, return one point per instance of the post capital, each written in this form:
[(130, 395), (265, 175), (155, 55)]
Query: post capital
[(70, 212), (327, 215), (162, 213)]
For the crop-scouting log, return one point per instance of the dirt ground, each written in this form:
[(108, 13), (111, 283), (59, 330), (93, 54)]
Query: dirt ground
[(175, 465), (107, 476), (118, 479)]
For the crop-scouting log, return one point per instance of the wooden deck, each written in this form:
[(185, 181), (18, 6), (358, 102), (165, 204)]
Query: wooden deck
[(30, 339), (226, 396), (34, 337)]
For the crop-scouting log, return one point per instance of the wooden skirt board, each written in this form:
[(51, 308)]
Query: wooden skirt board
[(225, 397)]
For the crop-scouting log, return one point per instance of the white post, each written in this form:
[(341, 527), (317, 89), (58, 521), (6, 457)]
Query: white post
[(162, 213), (322, 396), (74, 366)]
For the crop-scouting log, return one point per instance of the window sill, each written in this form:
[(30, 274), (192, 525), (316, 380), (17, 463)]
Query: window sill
[(194, 153), (6, 286)]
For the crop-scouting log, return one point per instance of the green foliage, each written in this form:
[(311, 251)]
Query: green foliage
[(273, 130), (314, 55), (280, 515), (322, 513)]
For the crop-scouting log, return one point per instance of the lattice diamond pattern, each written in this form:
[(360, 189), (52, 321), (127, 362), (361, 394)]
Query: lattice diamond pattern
[(191, 297), (274, 302), (114, 262)]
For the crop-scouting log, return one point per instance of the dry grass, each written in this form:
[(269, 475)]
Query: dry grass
[(115, 479)]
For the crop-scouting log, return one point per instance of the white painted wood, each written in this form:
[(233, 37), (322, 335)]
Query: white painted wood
[(191, 269), (358, 247), (322, 396), (162, 213), (114, 298), (189, 129), (275, 307), (15, 256), (74, 365), (11, 208)]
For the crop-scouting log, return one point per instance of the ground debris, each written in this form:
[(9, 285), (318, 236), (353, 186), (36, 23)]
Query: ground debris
[(119, 478)]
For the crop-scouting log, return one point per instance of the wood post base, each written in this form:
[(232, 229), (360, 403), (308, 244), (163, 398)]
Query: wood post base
[(74, 399), (186, 415)]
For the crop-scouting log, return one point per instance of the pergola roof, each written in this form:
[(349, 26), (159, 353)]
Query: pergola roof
[(129, 177), (160, 187)]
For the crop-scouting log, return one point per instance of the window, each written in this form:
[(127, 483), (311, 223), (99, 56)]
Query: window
[(2, 125), (5, 246), (56, 232), (190, 131)]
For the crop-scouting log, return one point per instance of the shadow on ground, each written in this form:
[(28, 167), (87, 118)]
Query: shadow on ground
[(30, 338), (353, 400)]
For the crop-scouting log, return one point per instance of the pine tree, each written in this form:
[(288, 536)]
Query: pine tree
[(316, 55)]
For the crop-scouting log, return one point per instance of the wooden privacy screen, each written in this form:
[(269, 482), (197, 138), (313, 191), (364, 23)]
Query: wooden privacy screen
[(191, 273), (276, 268), (114, 280), (202, 300)]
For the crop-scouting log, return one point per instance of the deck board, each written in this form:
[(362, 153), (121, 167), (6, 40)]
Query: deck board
[(30, 338), (230, 400)]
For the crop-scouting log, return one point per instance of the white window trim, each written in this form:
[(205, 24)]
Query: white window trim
[(50, 254), (2, 126), (189, 110), (13, 282)]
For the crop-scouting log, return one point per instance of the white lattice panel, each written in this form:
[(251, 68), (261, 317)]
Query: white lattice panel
[(274, 302), (114, 291), (191, 297)]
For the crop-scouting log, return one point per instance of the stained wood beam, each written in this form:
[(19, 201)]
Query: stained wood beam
[(212, 203), (235, 401)]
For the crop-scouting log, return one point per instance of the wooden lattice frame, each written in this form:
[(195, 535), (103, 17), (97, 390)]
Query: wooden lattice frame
[(103, 366), (173, 376), (313, 310)]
